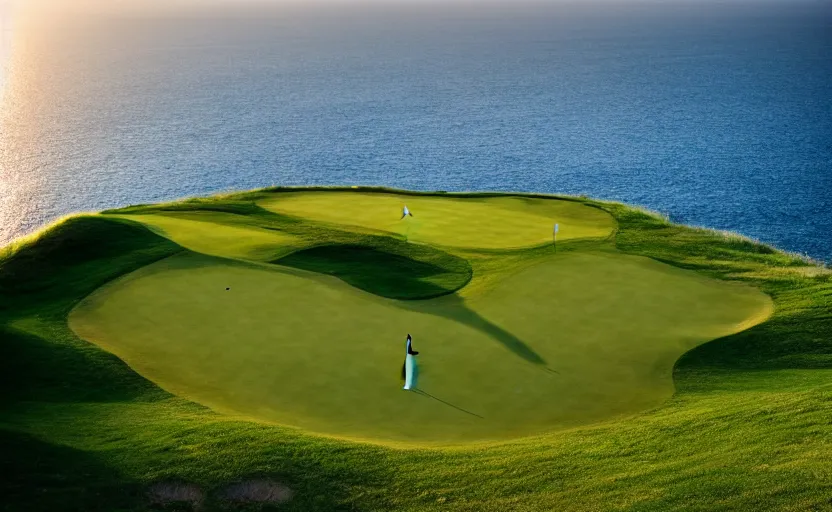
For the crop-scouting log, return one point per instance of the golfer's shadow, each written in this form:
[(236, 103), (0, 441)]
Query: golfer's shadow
[(454, 308), (449, 404)]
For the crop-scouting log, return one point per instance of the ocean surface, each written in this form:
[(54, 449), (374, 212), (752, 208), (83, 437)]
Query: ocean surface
[(717, 114)]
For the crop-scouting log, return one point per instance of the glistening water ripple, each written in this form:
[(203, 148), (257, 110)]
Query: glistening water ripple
[(719, 117)]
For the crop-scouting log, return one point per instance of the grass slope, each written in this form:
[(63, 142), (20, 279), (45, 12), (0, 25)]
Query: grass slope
[(747, 429), (220, 234)]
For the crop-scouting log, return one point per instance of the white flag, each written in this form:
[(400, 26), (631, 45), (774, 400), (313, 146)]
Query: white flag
[(556, 228)]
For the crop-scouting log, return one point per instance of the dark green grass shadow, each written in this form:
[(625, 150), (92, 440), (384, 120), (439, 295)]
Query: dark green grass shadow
[(397, 271), (397, 276), (73, 258), (392, 268), (58, 367), (38, 475)]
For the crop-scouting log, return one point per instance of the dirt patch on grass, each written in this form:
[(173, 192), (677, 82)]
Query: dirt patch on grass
[(257, 491), (164, 494)]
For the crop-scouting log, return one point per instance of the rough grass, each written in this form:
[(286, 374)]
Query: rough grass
[(748, 428)]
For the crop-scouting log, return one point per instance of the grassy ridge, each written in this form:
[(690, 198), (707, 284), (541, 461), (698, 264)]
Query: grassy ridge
[(412, 272), (748, 428), (42, 281)]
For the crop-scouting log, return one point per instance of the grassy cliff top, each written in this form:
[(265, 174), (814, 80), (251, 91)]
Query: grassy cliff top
[(743, 425)]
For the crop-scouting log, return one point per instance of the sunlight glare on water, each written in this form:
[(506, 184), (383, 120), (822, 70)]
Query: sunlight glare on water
[(718, 116), (5, 55)]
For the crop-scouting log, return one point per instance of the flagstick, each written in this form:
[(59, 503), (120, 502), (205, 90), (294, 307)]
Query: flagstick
[(555, 238)]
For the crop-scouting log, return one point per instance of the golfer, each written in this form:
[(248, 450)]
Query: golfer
[(410, 346), (409, 366)]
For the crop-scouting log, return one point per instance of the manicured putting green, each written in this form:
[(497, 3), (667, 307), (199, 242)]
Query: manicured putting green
[(578, 338), (475, 222)]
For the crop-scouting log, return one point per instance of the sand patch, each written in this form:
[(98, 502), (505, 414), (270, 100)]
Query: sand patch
[(171, 493), (257, 491)]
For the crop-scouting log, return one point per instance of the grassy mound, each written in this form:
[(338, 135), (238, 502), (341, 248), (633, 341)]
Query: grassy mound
[(385, 273), (746, 428)]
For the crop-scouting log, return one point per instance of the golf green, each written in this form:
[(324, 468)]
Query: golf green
[(475, 222), (576, 338)]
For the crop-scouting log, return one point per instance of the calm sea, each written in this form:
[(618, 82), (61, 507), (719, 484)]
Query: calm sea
[(717, 114)]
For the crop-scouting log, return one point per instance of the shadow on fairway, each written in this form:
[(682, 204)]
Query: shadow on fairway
[(399, 276), (462, 314), (44, 476), (395, 271), (454, 308), (458, 408)]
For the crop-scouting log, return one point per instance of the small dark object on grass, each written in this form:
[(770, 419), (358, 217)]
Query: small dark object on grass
[(228, 288)]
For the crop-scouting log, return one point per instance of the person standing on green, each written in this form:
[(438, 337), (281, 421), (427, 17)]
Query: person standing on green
[(409, 368)]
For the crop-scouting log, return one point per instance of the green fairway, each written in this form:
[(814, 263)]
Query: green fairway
[(475, 222), (574, 339), (182, 356)]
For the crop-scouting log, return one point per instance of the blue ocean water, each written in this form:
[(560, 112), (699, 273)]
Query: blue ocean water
[(717, 114)]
